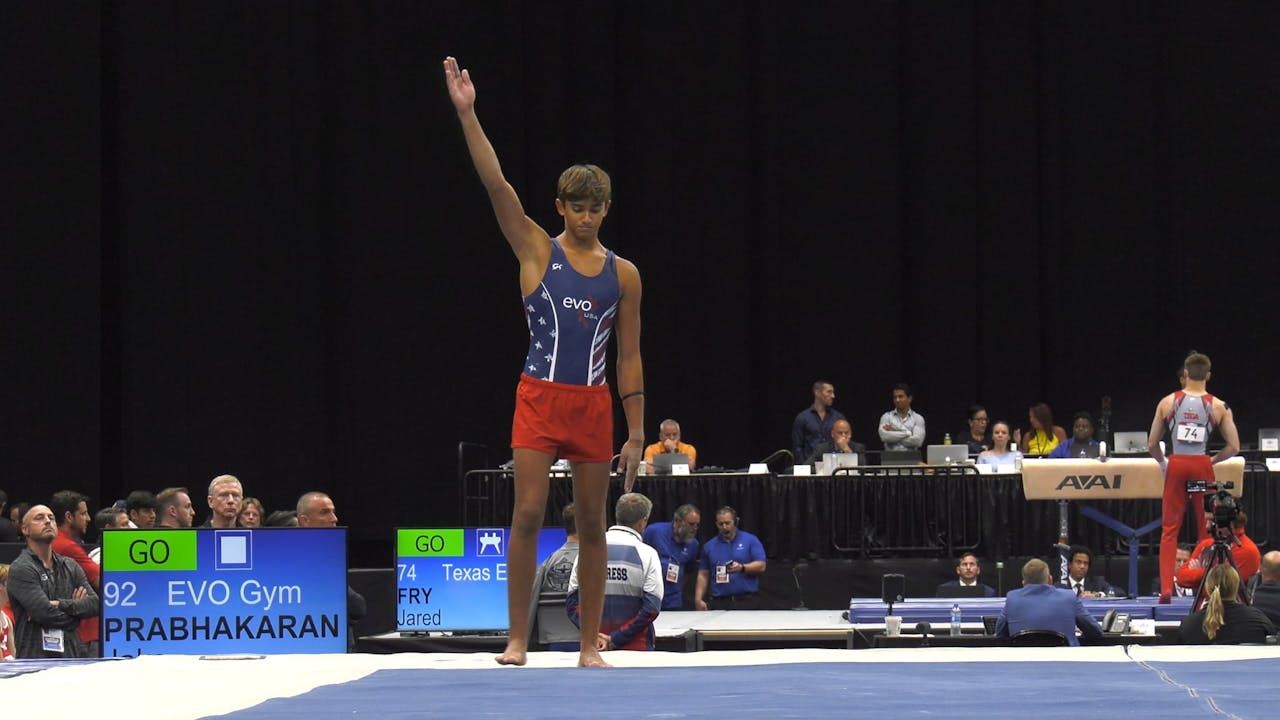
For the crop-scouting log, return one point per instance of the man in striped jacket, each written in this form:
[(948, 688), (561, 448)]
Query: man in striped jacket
[(633, 581)]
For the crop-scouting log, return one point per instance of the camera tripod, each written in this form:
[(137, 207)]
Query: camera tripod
[(1219, 554)]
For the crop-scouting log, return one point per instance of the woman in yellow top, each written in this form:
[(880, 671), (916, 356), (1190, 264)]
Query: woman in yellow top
[(1044, 436)]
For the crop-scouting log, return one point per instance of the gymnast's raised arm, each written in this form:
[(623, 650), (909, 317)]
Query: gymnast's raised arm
[(528, 241)]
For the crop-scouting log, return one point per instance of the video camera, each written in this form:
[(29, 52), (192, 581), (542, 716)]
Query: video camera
[(1218, 502)]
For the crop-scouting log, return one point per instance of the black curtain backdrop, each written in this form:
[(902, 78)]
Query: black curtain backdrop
[(246, 237)]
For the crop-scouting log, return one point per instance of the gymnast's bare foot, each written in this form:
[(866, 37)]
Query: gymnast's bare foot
[(515, 654), (591, 659)]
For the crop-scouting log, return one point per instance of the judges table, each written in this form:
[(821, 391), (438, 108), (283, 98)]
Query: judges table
[(974, 639), (891, 511), (757, 628), (689, 631), (674, 630), (938, 610)]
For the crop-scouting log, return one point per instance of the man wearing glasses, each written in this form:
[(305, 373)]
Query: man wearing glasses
[(225, 495), (677, 546)]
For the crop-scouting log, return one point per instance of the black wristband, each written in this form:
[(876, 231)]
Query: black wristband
[(633, 394)]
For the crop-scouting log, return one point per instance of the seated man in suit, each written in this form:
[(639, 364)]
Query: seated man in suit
[(841, 442), (967, 571), (1037, 605), (1266, 596), (1078, 580)]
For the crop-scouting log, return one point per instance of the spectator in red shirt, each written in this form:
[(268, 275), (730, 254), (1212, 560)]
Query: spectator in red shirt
[(6, 618), (72, 511), (1246, 555)]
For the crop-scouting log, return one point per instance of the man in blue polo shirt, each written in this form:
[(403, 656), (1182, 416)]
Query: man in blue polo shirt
[(677, 550), (730, 565)]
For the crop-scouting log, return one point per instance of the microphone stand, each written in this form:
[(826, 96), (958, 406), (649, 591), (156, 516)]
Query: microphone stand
[(1104, 422), (795, 574), (777, 454), (924, 628)]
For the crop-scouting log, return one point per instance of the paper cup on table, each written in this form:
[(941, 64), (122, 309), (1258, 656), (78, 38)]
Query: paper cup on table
[(893, 625)]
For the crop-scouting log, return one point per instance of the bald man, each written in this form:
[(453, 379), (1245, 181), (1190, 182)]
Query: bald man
[(1266, 597), (316, 510), (841, 441), (49, 594)]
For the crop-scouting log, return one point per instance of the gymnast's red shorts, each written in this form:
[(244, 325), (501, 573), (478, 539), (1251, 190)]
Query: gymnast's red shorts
[(574, 422)]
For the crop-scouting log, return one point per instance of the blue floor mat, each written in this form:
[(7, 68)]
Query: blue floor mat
[(810, 690), (1244, 688)]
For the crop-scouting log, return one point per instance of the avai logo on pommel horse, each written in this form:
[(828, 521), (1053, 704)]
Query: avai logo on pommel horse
[(1090, 482)]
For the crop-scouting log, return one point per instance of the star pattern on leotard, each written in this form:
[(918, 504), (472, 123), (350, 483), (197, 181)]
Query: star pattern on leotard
[(539, 315)]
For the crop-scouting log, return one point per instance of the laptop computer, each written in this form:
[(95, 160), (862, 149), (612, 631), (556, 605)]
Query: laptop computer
[(833, 461), (899, 457), (662, 462), (1131, 443), (1084, 451), (947, 454), (1269, 439)]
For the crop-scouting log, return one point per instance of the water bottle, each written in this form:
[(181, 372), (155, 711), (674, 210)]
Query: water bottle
[(955, 619), (946, 439)]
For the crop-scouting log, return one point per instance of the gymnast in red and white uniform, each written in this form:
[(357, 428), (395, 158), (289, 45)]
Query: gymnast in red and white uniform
[(1189, 415)]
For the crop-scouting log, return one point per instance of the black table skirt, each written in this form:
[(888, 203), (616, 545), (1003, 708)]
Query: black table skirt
[(916, 514)]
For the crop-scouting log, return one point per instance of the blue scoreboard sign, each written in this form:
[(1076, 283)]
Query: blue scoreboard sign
[(202, 592), (456, 578)]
